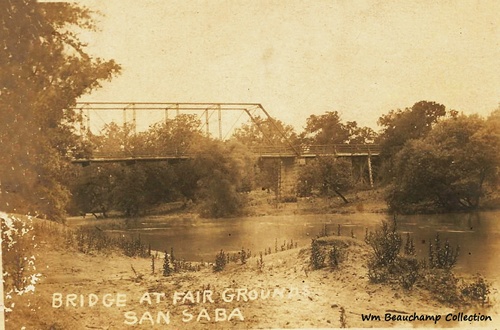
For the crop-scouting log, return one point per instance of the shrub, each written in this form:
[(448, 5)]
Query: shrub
[(377, 274), (342, 318), (442, 257), (386, 264), (335, 256), (317, 255), (134, 247), (476, 292), (220, 261), (407, 271), (19, 255), (167, 269), (260, 263), (243, 256), (385, 242), (443, 285), (409, 245), (90, 239)]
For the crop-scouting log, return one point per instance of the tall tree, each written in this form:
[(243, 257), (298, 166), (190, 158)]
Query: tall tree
[(399, 126), (43, 70), (328, 129), (262, 132), (447, 169)]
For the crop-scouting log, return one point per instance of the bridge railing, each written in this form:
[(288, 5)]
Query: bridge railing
[(136, 154), (336, 149), (331, 149), (270, 151)]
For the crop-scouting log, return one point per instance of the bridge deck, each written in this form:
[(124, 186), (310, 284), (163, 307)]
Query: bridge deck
[(339, 150)]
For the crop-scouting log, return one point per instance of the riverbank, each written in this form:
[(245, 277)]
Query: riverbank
[(369, 201), (107, 290)]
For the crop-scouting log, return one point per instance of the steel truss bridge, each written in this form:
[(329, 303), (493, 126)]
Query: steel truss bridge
[(213, 120)]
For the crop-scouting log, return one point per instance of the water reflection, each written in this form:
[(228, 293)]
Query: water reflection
[(478, 234)]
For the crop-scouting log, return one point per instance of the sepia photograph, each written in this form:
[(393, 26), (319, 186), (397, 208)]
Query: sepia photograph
[(236, 164)]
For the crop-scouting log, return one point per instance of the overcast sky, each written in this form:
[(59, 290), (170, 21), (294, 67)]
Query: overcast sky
[(297, 58)]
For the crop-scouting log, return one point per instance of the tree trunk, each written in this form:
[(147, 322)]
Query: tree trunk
[(341, 196)]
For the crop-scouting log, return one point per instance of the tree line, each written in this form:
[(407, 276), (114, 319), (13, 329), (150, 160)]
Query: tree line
[(432, 159)]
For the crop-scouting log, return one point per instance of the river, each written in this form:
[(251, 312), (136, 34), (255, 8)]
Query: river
[(477, 234)]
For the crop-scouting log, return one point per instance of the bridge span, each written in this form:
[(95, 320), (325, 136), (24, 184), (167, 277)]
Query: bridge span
[(214, 117), (312, 151), (289, 159)]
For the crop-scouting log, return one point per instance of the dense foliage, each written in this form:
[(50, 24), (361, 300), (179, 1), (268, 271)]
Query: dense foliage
[(328, 129), (449, 169), (213, 176), (325, 176), (43, 70)]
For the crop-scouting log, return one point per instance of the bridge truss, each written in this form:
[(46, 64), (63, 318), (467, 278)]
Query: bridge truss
[(212, 123), (210, 114)]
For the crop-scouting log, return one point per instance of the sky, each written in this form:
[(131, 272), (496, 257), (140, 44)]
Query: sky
[(298, 58)]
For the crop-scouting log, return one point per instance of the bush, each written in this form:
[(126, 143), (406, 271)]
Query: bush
[(335, 256), (443, 285), (260, 263), (475, 292), (442, 257), (19, 255), (243, 256), (317, 256), (167, 269), (90, 239), (407, 271), (386, 264), (377, 274), (386, 243), (220, 261), (409, 245)]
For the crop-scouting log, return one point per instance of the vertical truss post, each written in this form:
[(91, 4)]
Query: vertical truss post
[(134, 121), (219, 112), (124, 118), (177, 109), (370, 169), (207, 128), (166, 115)]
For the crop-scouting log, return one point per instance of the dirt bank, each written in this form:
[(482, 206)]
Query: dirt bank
[(281, 292)]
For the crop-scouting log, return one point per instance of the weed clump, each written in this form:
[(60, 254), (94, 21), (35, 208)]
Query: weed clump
[(388, 265), (167, 269), (442, 257), (476, 292), (386, 243), (335, 256), (220, 261), (260, 263), (317, 256)]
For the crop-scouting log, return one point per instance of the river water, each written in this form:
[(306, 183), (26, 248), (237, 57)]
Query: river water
[(477, 234)]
